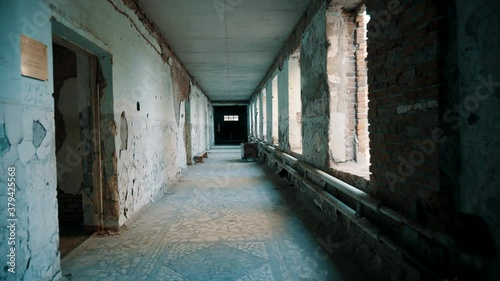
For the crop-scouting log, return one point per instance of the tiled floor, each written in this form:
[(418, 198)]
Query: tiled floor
[(226, 220)]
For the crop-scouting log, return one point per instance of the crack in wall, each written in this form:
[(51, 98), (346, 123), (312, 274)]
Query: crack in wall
[(4, 141)]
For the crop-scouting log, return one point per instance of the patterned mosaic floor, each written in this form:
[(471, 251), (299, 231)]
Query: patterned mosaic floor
[(225, 220)]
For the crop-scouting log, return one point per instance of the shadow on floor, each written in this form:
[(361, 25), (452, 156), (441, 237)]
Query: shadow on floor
[(334, 245), (70, 237)]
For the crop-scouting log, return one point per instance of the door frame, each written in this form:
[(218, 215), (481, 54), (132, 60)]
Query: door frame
[(103, 211), (241, 111)]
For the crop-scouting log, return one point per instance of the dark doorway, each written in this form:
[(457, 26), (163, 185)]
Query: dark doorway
[(73, 88), (230, 124)]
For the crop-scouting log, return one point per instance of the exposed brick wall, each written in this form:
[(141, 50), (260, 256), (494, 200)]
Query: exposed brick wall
[(404, 55), (361, 86), (348, 85), (269, 112), (350, 133), (70, 209), (341, 83), (408, 91)]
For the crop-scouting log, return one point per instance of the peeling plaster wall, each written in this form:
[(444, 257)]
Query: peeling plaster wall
[(263, 106), (186, 115), (279, 108), (142, 124), (258, 115), (250, 120), (200, 121), (255, 118), (269, 112), (27, 116), (142, 90), (275, 109), (149, 92), (211, 128), (294, 105), (255, 123), (181, 138), (340, 64)]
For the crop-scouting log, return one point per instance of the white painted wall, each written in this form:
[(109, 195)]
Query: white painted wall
[(250, 119), (338, 67), (283, 104), (263, 103), (258, 114), (211, 131), (294, 106), (274, 110), (155, 154), (200, 121), (269, 113)]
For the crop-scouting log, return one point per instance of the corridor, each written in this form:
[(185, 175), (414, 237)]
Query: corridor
[(227, 219), (376, 124)]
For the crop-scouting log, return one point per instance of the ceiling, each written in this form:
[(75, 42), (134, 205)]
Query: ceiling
[(227, 45)]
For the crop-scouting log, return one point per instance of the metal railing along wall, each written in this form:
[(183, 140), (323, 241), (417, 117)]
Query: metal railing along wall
[(363, 199)]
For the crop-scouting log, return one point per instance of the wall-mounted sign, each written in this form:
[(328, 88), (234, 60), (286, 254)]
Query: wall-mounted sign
[(34, 61)]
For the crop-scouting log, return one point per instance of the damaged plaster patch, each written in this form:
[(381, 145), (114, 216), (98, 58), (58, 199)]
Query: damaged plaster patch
[(112, 127), (123, 132), (26, 152), (13, 123), (39, 133), (4, 143)]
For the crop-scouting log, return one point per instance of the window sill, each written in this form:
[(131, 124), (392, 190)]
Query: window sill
[(353, 173)]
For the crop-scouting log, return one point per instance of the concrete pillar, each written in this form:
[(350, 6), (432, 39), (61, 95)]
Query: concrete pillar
[(315, 93), (261, 114), (274, 108), (255, 119), (294, 104), (283, 108), (187, 132), (269, 112)]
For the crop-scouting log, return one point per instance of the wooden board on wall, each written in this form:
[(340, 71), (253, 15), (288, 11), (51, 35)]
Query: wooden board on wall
[(34, 61)]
